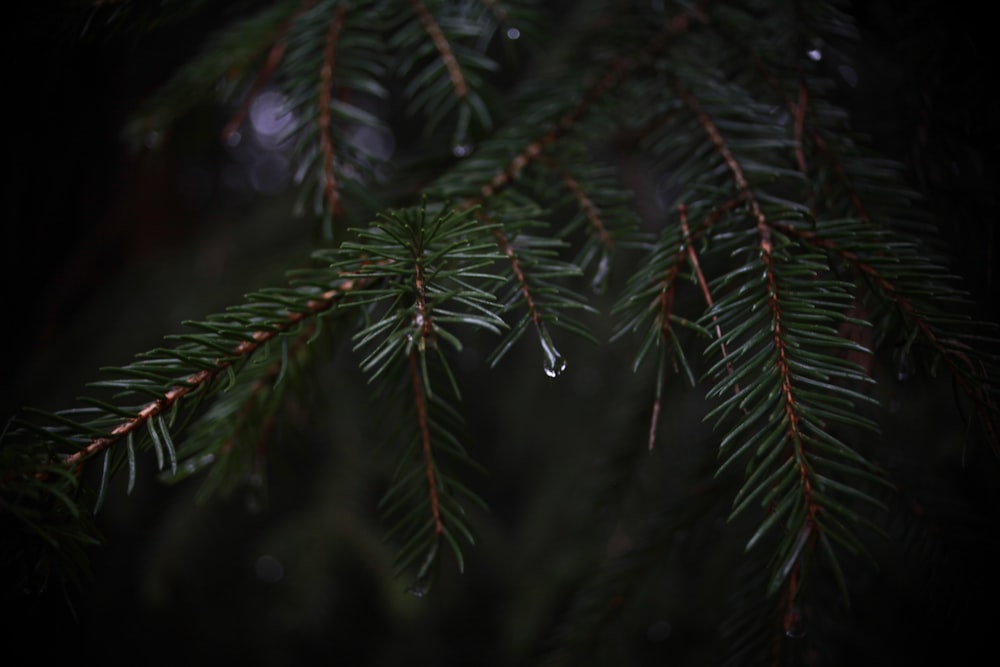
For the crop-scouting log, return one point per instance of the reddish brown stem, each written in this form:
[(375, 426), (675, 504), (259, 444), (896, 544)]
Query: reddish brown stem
[(587, 205), (263, 76), (791, 409), (443, 47), (618, 71), (331, 191), (522, 281), (703, 284), (425, 439), (959, 365), (204, 377)]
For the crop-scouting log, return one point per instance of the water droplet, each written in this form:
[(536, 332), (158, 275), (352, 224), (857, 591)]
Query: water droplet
[(554, 362), (513, 33), (234, 138), (815, 54), (461, 150), (420, 587), (600, 280)]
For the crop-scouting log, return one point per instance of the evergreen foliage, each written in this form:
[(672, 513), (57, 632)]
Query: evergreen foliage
[(676, 188)]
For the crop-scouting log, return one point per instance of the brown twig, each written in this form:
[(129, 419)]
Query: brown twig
[(274, 58), (206, 376), (443, 47), (331, 190), (791, 409), (619, 69), (703, 284), (587, 205), (425, 439)]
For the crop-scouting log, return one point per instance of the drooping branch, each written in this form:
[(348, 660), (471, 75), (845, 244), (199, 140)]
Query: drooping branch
[(794, 437), (956, 359), (203, 378)]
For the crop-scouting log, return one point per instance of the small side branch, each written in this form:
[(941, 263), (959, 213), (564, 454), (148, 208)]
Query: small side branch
[(274, 59), (443, 47), (703, 284), (586, 204), (618, 71), (959, 364), (789, 400), (331, 190), (522, 280), (204, 377), (742, 184)]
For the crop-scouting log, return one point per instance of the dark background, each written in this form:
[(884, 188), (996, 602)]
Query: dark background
[(104, 250)]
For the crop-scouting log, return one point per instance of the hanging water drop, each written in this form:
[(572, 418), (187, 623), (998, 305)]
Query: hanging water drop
[(420, 587), (554, 362), (461, 150), (600, 280), (513, 33)]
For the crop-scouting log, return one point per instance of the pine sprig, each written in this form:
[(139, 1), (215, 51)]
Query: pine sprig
[(426, 265), (45, 453)]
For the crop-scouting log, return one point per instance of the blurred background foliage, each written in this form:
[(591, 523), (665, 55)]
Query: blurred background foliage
[(106, 249)]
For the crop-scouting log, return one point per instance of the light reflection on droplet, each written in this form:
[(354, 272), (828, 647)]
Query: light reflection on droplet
[(815, 54), (600, 281), (513, 33), (554, 362), (419, 588), (461, 150)]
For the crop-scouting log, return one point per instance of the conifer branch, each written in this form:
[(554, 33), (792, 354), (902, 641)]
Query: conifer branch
[(753, 227), (264, 75), (955, 354), (203, 378), (443, 47), (587, 205)]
